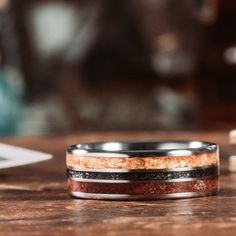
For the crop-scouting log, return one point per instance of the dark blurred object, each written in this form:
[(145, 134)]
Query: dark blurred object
[(108, 65), (119, 51), (217, 70), (123, 83), (129, 64), (206, 11), (90, 39), (11, 83), (53, 34), (170, 28)]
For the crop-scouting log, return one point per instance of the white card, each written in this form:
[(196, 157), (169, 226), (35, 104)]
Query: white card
[(12, 156)]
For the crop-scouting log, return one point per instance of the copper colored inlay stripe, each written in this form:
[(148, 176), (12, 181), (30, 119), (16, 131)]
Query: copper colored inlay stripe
[(165, 162), (145, 188)]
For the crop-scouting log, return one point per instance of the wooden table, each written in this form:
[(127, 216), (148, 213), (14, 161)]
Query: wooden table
[(34, 200)]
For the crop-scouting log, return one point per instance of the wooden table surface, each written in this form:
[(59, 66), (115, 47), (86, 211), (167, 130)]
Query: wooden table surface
[(34, 199)]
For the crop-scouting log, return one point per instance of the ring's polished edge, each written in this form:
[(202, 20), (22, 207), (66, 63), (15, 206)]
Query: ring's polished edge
[(142, 181), (142, 197), (142, 170), (134, 149)]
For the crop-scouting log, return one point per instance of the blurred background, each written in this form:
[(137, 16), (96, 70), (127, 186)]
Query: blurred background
[(72, 66)]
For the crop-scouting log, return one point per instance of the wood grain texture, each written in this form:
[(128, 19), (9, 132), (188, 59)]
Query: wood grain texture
[(34, 199)]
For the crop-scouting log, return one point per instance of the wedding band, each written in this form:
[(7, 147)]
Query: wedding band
[(142, 170)]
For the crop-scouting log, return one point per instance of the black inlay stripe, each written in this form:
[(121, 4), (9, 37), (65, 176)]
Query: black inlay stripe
[(140, 176)]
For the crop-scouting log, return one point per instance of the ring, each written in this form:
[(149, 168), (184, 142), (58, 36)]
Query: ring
[(142, 170)]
